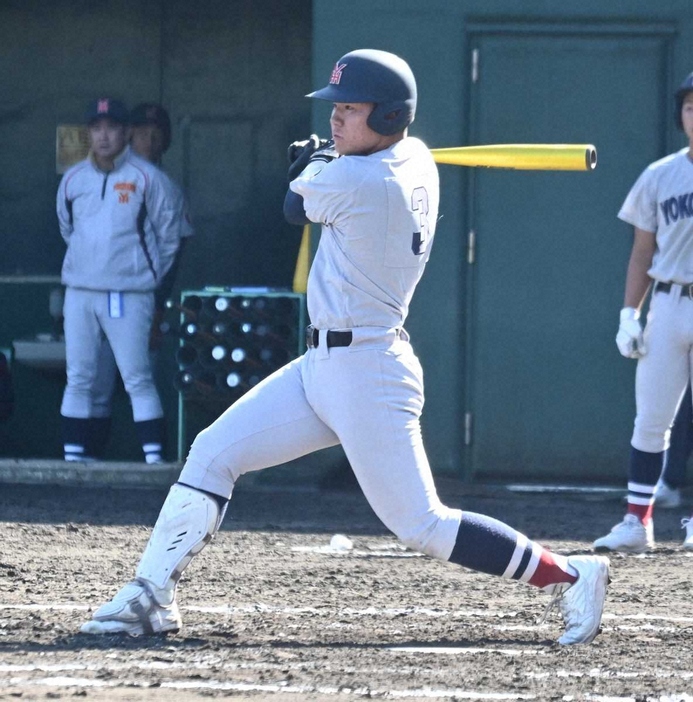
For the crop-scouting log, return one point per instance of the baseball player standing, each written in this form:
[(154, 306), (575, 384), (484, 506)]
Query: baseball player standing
[(660, 208), (150, 138), (119, 223), (375, 192)]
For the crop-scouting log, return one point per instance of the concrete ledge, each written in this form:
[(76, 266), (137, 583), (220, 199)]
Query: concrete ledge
[(302, 475), (100, 473)]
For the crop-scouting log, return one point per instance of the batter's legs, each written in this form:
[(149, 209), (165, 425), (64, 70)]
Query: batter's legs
[(373, 398), (275, 423), (270, 425)]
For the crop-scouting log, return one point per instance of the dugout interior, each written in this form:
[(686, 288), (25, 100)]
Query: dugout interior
[(230, 340)]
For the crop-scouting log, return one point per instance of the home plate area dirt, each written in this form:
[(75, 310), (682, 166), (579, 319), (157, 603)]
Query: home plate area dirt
[(272, 611)]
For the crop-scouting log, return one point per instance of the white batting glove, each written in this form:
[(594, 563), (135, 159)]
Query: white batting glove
[(629, 338)]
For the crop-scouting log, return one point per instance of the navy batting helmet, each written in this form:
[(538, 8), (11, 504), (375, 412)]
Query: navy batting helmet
[(151, 113), (685, 88), (369, 75)]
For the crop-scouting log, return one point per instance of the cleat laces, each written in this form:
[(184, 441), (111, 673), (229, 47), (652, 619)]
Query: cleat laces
[(556, 599)]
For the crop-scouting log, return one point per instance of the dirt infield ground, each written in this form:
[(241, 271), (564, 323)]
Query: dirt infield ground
[(270, 613)]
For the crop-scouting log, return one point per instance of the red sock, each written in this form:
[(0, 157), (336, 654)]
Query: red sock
[(642, 512), (552, 569)]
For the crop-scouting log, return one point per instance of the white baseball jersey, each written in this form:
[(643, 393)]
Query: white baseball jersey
[(366, 267), (661, 201), (103, 219)]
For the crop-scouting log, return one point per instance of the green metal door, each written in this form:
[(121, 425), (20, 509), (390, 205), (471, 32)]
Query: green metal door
[(548, 393)]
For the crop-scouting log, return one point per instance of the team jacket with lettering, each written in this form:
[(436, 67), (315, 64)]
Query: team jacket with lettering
[(122, 228)]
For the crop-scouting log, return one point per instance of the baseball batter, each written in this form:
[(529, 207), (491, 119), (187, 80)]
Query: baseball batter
[(660, 208), (121, 231), (375, 192)]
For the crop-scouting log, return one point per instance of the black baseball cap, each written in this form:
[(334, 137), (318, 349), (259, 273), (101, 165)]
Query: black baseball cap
[(107, 108), (152, 113)]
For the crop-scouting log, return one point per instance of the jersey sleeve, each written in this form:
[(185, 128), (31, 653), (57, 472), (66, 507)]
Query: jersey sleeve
[(64, 210), (640, 205), (163, 215), (182, 208), (326, 187)]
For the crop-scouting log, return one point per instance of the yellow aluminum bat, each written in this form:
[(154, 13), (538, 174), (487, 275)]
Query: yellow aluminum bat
[(530, 157)]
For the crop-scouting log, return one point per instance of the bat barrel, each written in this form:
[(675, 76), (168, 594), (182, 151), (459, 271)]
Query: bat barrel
[(536, 157)]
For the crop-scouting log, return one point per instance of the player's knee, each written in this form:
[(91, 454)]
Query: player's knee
[(212, 466), (651, 439), (433, 534)]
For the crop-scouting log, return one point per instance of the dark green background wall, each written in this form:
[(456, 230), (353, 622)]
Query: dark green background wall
[(232, 75), (522, 374), (523, 377)]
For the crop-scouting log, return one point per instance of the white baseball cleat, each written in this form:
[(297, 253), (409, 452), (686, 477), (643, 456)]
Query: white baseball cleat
[(134, 611), (582, 604), (687, 524), (667, 497), (630, 536)]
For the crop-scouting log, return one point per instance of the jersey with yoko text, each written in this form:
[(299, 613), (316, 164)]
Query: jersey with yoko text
[(661, 201)]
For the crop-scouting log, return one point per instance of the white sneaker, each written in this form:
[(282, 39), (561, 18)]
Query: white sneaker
[(687, 524), (134, 611), (630, 535), (666, 497), (582, 604)]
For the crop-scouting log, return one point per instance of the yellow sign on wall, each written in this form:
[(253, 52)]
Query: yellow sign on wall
[(71, 145)]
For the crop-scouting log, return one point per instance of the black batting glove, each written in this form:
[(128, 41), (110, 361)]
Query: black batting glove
[(301, 153)]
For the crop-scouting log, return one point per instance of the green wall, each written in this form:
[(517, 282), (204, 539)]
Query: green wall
[(524, 386), (523, 378), (232, 76)]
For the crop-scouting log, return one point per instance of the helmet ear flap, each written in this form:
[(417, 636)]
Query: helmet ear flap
[(388, 118)]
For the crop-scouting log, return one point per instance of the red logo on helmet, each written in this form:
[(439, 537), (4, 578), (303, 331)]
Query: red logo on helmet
[(102, 107), (337, 73)]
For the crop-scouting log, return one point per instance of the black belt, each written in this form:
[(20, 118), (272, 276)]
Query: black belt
[(686, 290), (334, 338)]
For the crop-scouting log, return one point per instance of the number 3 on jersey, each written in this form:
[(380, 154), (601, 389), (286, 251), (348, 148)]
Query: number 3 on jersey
[(419, 205)]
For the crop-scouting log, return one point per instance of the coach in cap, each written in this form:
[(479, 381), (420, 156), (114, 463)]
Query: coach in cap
[(150, 138), (119, 223)]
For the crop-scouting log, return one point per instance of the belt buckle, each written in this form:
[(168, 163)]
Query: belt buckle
[(310, 336), (689, 289)]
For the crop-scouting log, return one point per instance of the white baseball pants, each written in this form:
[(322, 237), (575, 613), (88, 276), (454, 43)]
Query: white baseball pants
[(87, 319), (369, 398), (664, 372)]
